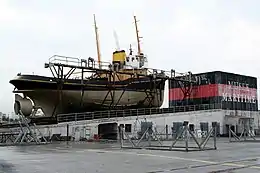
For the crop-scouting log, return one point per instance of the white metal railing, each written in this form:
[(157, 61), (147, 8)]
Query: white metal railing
[(64, 60), (132, 112), (91, 63)]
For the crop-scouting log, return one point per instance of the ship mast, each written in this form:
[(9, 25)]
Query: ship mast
[(97, 42), (137, 36)]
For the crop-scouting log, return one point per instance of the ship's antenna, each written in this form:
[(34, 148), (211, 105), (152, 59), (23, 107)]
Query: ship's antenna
[(130, 49), (137, 36), (97, 41)]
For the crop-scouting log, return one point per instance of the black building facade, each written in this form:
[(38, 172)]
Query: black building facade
[(227, 90)]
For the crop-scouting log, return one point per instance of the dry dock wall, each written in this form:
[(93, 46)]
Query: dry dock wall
[(89, 128)]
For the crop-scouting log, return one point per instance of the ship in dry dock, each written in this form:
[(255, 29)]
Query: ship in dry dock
[(124, 83)]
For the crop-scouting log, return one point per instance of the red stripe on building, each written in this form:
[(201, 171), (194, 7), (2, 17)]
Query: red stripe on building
[(211, 90)]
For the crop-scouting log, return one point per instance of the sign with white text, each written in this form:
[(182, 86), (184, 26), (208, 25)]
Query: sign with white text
[(238, 92)]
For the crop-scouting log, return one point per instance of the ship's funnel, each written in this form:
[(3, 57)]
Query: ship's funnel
[(22, 106), (119, 57)]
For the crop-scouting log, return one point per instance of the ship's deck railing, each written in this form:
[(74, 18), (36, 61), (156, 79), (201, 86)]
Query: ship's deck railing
[(91, 63), (64, 60), (133, 112)]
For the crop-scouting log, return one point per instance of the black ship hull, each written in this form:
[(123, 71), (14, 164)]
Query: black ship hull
[(75, 95)]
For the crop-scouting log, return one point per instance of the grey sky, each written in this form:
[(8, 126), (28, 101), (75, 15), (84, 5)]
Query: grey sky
[(197, 36)]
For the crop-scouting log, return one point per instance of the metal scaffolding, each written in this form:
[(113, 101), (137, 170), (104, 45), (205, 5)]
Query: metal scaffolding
[(246, 134), (63, 67), (25, 134), (151, 140)]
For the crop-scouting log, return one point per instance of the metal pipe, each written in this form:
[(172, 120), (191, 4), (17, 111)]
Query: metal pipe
[(67, 137), (229, 133), (166, 131), (214, 125), (194, 138), (187, 138)]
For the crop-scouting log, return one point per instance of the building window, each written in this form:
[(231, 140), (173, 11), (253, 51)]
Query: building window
[(128, 127), (204, 126), (191, 127)]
